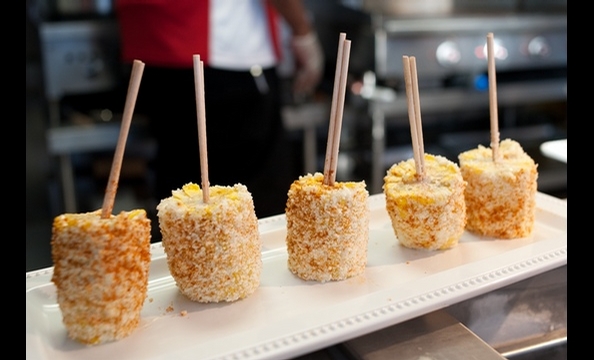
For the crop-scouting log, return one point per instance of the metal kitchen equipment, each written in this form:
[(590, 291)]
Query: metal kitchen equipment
[(78, 57), (531, 57)]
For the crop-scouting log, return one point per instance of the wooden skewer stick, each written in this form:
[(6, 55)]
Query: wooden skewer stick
[(332, 125), (116, 166), (410, 101), (412, 118), (339, 111), (493, 98), (201, 112), (418, 122)]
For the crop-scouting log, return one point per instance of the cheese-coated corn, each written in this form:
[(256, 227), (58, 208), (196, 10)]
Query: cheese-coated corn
[(213, 249), (428, 213), (501, 195), (327, 228), (101, 271)]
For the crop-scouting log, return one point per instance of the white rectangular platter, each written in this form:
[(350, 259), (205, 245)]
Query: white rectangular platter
[(287, 316)]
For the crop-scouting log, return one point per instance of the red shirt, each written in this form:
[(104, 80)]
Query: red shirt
[(169, 32)]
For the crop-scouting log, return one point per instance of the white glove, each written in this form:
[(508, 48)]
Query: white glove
[(309, 63)]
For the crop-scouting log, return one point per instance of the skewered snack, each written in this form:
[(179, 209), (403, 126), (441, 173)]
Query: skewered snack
[(501, 195), (213, 249), (427, 213), (101, 271), (328, 221), (425, 194), (327, 228), (101, 261)]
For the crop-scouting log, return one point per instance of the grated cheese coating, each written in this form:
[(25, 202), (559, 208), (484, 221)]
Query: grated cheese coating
[(428, 214), (500, 196), (214, 249), (101, 269), (327, 228)]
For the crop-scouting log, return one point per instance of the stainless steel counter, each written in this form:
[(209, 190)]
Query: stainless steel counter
[(437, 335), (526, 320)]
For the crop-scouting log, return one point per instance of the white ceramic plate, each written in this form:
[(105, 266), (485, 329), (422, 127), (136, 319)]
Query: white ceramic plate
[(287, 316), (555, 149)]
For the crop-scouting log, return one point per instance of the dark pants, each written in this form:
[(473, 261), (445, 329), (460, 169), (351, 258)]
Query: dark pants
[(246, 140)]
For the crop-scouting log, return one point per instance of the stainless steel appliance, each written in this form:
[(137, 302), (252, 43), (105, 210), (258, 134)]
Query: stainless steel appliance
[(78, 57), (83, 74), (450, 48)]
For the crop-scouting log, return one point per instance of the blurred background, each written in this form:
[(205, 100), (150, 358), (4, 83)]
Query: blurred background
[(75, 91)]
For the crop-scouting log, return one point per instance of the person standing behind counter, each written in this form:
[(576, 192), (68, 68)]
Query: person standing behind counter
[(239, 43)]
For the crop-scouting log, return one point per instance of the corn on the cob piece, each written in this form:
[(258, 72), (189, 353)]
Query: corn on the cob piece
[(428, 214), (501, 195), (213, 249), (327, 228), (101, 271)]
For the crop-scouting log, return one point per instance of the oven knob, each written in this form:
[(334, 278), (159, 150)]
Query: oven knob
[(448, 53), (539, 47)]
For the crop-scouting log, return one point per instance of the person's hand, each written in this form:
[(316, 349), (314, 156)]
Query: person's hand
[(309, 60)]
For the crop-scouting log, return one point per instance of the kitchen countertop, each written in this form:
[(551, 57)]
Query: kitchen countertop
[(526, 320)]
